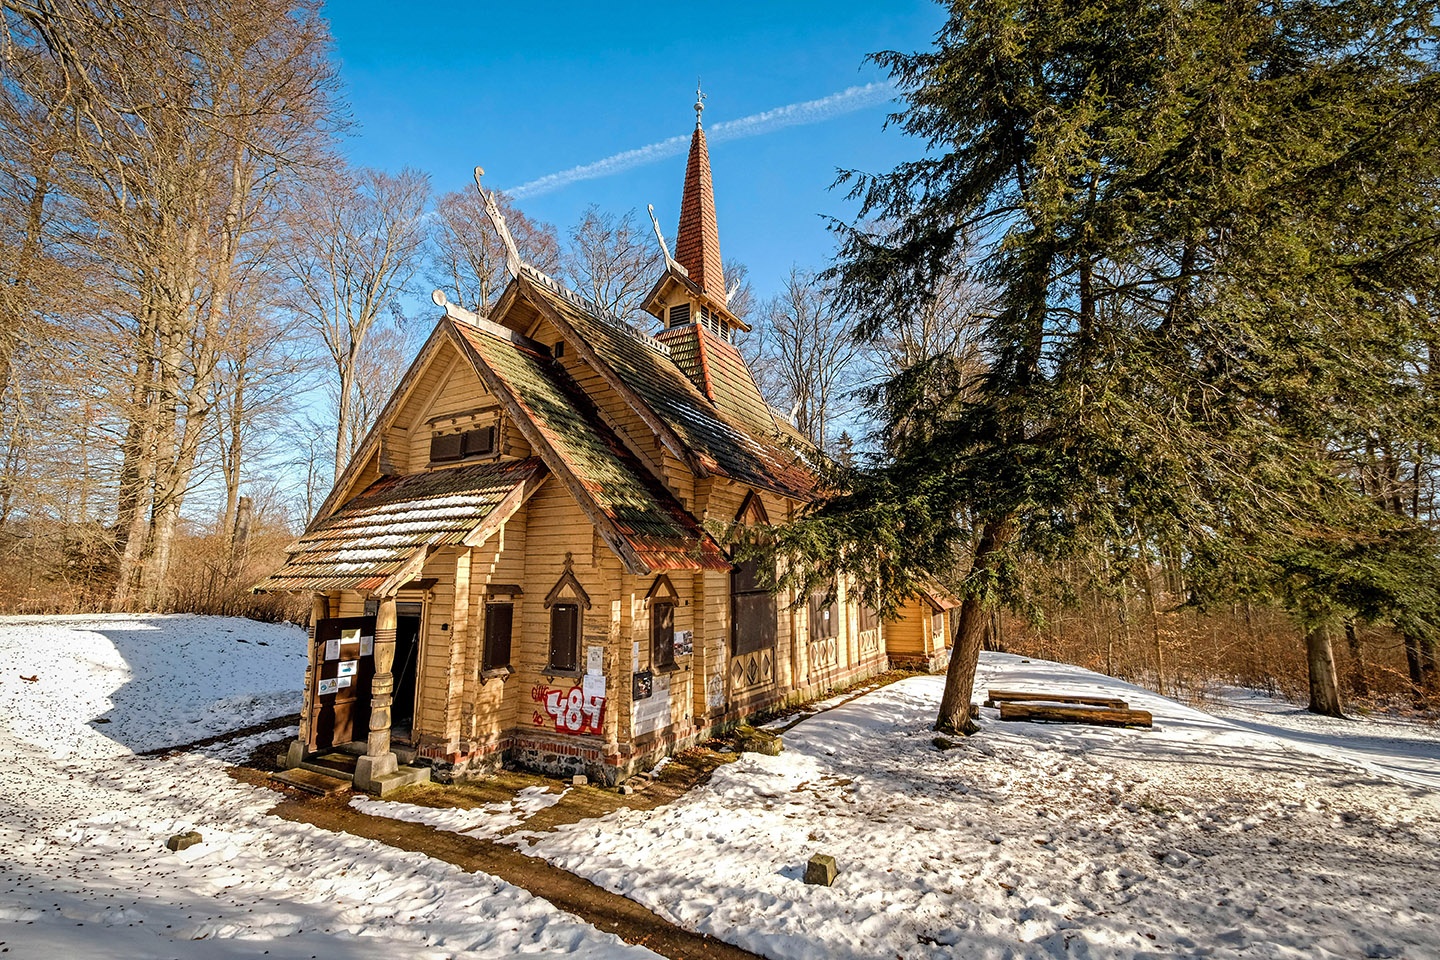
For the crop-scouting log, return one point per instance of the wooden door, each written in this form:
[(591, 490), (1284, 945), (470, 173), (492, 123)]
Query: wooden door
[(340, 695)]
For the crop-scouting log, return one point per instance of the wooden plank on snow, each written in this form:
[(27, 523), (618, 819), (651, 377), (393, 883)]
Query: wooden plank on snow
[(1022, 696), (1095, 716)]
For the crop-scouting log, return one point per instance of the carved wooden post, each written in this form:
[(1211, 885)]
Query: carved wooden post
[(379, 760), (319, 610)]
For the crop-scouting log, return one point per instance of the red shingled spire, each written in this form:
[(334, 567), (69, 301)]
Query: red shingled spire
[(697, 242)]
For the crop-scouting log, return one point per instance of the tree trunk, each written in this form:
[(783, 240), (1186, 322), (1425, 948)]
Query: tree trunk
[(1324, 682), (1413, 665), (970, 632), (1358, 681)]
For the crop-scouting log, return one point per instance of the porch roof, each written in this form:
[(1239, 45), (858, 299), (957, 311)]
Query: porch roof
[(396, 522)]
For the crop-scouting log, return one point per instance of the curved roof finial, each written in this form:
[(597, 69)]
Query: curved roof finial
[(699, 102)]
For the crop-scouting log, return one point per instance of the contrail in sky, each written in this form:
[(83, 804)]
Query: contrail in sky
[(795, 114)]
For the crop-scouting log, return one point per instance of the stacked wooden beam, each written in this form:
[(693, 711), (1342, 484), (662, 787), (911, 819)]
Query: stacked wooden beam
[(1021, 705)]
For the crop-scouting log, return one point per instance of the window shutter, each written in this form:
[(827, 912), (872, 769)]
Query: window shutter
[(564, 636), (478, 441), (499, 621), (662, 634), (446, 447)]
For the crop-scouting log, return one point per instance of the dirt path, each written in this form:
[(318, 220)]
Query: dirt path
[(605, 910)]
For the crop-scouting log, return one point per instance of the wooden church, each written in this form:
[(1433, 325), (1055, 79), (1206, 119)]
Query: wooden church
[(518, 565)]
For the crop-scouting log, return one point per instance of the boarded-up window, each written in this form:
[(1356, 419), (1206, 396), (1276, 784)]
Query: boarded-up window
[(824, 616), (753, 610), (937, 624), (564, 636), (662, 635), (499, 621), (446, 447), (869, 617), (477, 442)]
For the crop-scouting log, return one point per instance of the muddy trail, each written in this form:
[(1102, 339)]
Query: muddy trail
[(604, 910)]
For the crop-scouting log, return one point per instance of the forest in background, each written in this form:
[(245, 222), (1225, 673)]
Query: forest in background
[(203, 307)]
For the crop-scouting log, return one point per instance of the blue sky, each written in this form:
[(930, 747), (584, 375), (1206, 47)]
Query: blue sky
[(528, 91)]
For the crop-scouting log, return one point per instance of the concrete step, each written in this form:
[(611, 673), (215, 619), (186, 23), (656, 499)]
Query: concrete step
[(404, 777)]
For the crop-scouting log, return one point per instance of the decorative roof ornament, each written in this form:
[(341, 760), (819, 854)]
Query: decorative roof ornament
[(513, 263), (699, 102), (660, 237)]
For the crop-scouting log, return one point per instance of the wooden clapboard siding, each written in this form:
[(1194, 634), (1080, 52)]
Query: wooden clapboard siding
[(907, 634), (462, 395), (555, 525), (436, 700)]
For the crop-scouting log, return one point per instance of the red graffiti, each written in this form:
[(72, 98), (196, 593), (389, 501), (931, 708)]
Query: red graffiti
[(572, 711)]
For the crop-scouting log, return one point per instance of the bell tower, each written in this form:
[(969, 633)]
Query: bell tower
[(693, 288)]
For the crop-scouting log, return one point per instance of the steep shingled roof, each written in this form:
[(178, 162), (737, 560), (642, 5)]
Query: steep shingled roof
[(627, 502), (383, 530), (723, 443), (697, 241), (715, 366)]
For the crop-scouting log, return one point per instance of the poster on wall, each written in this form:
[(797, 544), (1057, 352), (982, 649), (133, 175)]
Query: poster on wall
[(348, 668), (351, 635), (595, 661), (652, 713), (328, 687), (332, 649), (343, 682), (367, 646), (644, 685), (592, 686), (684, 643)]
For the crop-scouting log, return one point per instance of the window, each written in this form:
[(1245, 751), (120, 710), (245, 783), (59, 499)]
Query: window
[(449, 447), (753, 608), (869, 617), (662, 635), (937, 623), (824, 616), (499, 621), (564, 636)]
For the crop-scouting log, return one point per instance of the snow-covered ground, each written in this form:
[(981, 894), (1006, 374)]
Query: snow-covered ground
[(84, 872), (1200, 837), (1269, 833)]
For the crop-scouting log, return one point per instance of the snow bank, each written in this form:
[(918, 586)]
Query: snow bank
[(1196, 838), (85, 872)]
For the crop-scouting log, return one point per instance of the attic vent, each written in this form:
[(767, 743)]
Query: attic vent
[(559, 350), (446, 448), (680, 315)]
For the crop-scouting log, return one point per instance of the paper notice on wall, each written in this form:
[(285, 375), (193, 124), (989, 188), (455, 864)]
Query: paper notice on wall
[(367, 646), (595, 661), (592, 686), (328, 687), (684, 643), (350, 636), (653, 713), (332, 649), (343, 682), (635, 657), (348, 668)]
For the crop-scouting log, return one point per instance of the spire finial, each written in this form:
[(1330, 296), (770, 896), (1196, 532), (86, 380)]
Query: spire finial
[(699, 102)]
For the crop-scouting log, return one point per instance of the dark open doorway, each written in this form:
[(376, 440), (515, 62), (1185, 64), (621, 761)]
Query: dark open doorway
[(408, 618)]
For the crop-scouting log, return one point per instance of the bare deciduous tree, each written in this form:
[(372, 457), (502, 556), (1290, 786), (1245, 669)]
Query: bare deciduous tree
[(611, 260), (468, 259), (353, 254), (804, 359)]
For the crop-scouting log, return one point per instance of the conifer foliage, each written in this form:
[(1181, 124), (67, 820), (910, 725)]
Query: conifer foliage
[(1207, 233)]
